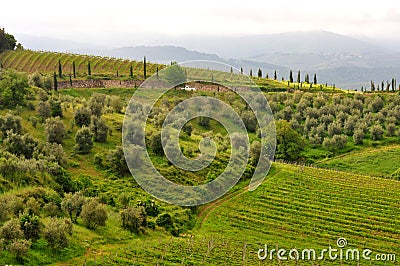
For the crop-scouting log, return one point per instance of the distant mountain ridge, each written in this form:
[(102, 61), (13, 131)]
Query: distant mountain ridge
[(346, 61)]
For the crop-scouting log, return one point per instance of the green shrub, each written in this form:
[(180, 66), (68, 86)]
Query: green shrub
[(55, 130), (83, 140), (94, 214), (56, 231), (134, 219)]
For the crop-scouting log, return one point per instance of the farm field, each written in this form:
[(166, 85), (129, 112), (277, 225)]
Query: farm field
[(380, 162), (351, 138), (295, 207)]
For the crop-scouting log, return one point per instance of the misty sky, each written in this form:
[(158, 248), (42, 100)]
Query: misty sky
[(115, 22)]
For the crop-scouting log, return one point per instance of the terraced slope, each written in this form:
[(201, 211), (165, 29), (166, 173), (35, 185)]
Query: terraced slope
[(294, 208), (377, 161), (47, 62)]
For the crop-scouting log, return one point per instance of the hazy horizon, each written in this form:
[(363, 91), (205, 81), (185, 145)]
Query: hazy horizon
[(123, 23)]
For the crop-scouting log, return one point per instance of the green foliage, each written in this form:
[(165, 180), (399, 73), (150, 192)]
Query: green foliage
[(20, 145), (83, 140), (82, 116), (10, 122), (13, 85), (56, 232), (99, 129), (56, 109), (19, 249), (60, 73), (55, 82), (165, 220), (187, 128), (11, 230), (255, 151), (116, 161), (96, 104), (55, 130), (289, 143), (335, 143), (72, 204), (116, 104), (150, 207), (89, 69), (36, 80), (31, 226), (52, 152), (175, 75), (249, 121), (358, 136), (44, 110), (94, 214), (134, 219), (376, 132), (204, 121), (156, 144), (7, 41)]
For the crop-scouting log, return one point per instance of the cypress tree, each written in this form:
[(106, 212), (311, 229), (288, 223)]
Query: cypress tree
[(259, 73), (393, 84), (251, 72), (315, 79), (131, 71), (307, 79), (157, 72), (74, 69), (144, 68), (373, 86), (59, 68), (241, 70), (291, 76), (89, 70), (275, 76), (231, 70), (266, 76), (55, 81), (298, 77)]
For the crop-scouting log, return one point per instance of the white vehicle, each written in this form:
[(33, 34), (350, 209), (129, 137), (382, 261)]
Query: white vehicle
[(187, 88)]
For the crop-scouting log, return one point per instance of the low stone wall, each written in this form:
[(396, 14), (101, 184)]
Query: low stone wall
[(137, 83), (91, 83)]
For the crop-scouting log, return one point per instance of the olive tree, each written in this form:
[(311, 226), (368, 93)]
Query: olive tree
[(56, 232), (55, 130), (133, 219), (83, 140), (99, 129), (94, 214)]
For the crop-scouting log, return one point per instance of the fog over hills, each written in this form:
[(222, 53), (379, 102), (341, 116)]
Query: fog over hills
[(348, 62)]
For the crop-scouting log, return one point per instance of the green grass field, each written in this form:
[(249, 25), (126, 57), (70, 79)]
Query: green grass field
[(380, 162)]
